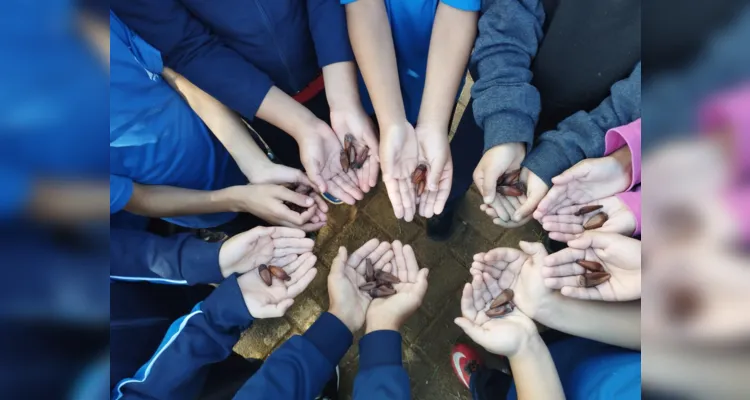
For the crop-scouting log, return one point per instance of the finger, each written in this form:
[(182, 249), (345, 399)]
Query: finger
[(569, 269), (412, 269), (337, 267), (408, 199), (564, 256), (549, 200), (503, 208), (289, 250), (419, 289), (515, 202), (489, 182), (562, 227), (441, 197), (571, 210), (562, 237), (384, 260), (312, 227), (337, 191), (500, 257), (301, 270), (399, 261), (388, 267), (294, 266), (346, 185), (322, 204), (468, 307), (294, 242), (295, 198), (283, 261), (378, 257), (560, 218), (315, 219), (578, 171), (489, 211), (364, 251), (558, 283), (363, 177), (493, 286), (528, 207), (481, 293), (581, 293), (374, 166), (258, 232), (317, 179), (394, 194), (297, 287), (594, 240)]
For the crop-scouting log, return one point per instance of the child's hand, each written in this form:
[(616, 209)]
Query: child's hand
[(589, 180), (497, 161), (267, 203), (564, 225), (620, 256)]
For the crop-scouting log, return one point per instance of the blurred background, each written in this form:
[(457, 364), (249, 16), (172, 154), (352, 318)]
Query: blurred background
[(54, 313)]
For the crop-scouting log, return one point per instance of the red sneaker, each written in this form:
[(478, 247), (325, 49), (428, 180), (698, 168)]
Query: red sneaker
[(465, 361)]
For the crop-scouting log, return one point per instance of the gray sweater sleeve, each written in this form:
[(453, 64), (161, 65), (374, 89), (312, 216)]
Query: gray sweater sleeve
[(581, 135), (506, 105)]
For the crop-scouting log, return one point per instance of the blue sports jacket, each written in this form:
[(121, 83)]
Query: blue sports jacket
[(299, 369), (236, 50)]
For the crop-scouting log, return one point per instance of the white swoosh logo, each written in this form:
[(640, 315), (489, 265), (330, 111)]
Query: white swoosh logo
[(456, 363)]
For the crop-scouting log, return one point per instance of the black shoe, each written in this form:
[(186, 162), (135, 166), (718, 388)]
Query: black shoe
[(440, 227)]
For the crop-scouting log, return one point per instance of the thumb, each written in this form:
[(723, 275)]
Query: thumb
[(317, 179), (294, 197), (535, 250), (283, 306), (580, 170), (491, 171), (594, 240), (337, 267), (420, 286), (436, 169), (476, 333)]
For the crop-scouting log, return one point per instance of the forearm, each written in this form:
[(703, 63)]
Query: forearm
[(341, 85), (59, 201), (372, 42), (534, 372), (615, 323), (285, 113), (169, 201), (225, 124), (453, 34)]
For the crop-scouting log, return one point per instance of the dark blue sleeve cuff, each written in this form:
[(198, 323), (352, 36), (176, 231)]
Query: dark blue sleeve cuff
[(330, 336), (225, 307), (547, 161), (380, 348), (200, 261)]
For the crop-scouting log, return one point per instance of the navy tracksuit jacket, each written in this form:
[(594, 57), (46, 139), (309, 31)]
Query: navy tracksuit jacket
[(177, 369)]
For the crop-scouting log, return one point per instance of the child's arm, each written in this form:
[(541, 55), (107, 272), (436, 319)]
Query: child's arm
[(534, 371)]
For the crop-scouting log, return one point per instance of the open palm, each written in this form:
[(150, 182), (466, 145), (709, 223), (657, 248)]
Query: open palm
[(436, 152), (564, 225), (265, 301), (620, 256), (399, 156), (320, 154), (263, 245), (589, 180), (502, 336), (357, 123)]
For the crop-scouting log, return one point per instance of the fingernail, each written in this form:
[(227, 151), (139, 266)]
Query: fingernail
[(487, 199), (309, 201)]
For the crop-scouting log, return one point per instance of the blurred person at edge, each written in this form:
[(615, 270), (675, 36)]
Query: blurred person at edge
[(284, 66), (156, 136), (53, 97), (549, 84)]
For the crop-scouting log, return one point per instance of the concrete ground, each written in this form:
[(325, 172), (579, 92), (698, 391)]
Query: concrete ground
[(430, 332)]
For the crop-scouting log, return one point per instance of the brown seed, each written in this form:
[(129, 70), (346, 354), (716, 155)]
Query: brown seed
[(384, 284), (591, 266), (586, 209), (352, 157), (502, 299), (593, 279), (596, 221), (510, 177), (520, 186), (348, 141), (420, 188), (419, 174), (279, 273), (381, 292), (344, 158), (382, 276), (368, 286), (509, 191), (682, 303), (500, 311), (361, 157), (265, 274), (369, 271)]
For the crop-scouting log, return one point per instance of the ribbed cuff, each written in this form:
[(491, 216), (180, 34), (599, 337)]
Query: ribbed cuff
[(225, 307), (200, 261), (330, 336), (547, 161), (380, 348), (507, 127)]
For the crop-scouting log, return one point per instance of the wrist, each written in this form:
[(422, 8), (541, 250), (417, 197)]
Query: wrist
[(624, 158), (381, 324), (432, 129), (529, 348), (548, 309), (228, 199), (350, 324)]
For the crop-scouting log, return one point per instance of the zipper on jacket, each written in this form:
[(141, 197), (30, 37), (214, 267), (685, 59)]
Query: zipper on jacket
[(267, 21)]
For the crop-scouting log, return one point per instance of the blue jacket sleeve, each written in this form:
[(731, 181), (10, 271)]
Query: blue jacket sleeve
[(180, 259), (179, 366), (189, 48), (120, 192), (381, 371), (300, 368), (327, 21), (581, 135), (506, 104)]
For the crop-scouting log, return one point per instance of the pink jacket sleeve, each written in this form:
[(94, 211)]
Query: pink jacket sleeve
[(730, 112), (632, 200), (629, 135)]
